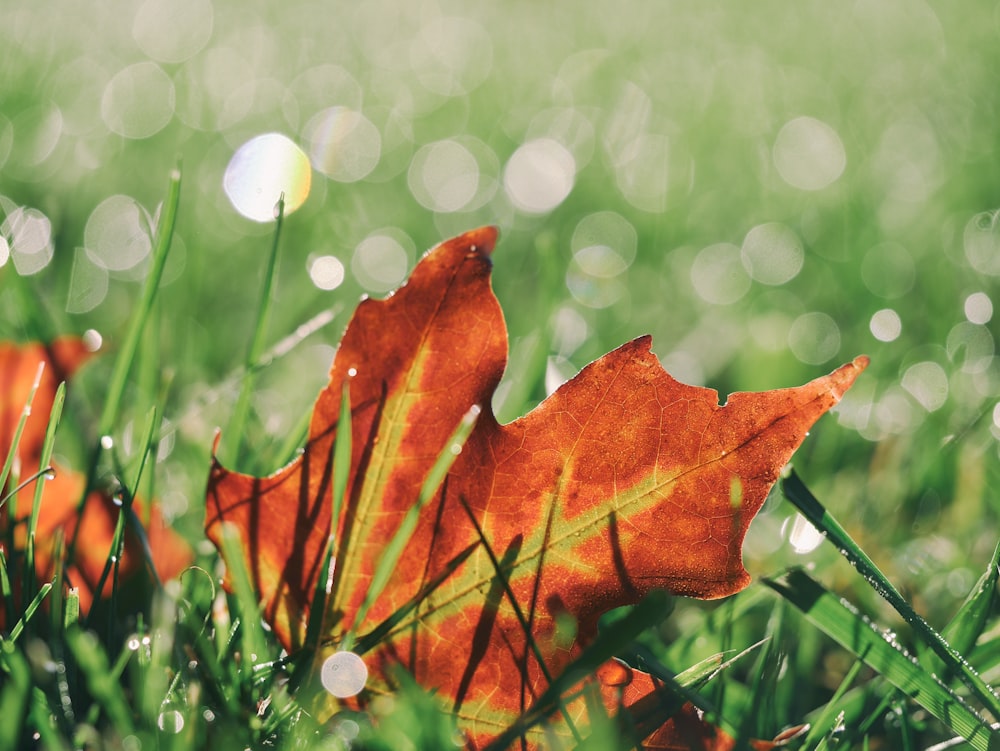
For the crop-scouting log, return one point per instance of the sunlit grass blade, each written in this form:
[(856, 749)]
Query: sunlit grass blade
[(19, 430), (125, 513), (252, 638), (800, 496), (6, 591), (126, 355), (30, 611), (237, 425), (860, 636), (137, 323), (370, 640), (394, 549), (36, 505), (323, 595)]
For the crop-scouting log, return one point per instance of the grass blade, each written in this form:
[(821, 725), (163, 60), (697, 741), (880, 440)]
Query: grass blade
[(392, 552), (30, 611), (653, 609), (341, 474), (126, 355), (15, 691), (237, 425), (845, 625), (92, 662), (970, 620), (19, 430), (800, 496), (36, 505)]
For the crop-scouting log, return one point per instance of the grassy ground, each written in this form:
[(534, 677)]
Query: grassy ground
[(769, 191)]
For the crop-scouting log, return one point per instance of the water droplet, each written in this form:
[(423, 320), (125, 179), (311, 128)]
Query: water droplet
[(344, 674), (170, 721), (107, 442), (133, 643), (351, 372)]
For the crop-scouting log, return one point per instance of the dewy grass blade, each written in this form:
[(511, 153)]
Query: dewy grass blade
[(800, 496), (237, 425), (36, 505), (126, 355), (392, 552), (16, 439), (113, 561), (856, 633), (252, 641)]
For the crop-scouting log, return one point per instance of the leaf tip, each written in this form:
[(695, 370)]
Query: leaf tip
[(481, 240), (861, 362)]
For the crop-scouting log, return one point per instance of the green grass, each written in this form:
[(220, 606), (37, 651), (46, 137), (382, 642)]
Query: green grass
[(205, 332)]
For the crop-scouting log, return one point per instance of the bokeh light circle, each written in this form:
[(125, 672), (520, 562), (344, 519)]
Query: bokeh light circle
[(444, 176), (718, 275), (381, 260), (927, 383), (344, 674), (886, 325), (772, 253), (814, 338), (118, 233), (809, 154), (604, 243), (261, 170), (539, 175), (981, 240), (978, 308), (343, 144), (326, 272), (138, 101), (28, 234), (171, 31)]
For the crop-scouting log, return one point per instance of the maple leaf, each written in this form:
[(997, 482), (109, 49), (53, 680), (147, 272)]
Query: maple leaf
[(59, 515), (621, 482)]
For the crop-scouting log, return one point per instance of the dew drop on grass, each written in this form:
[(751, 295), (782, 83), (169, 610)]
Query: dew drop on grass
[(107, 442), (133, 643), (344, 674), (170, 721)]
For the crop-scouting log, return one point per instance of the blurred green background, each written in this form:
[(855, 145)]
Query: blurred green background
[(768, 188)]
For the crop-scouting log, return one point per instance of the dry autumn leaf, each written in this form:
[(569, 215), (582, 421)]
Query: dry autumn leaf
[(621, 482), (19, 367)]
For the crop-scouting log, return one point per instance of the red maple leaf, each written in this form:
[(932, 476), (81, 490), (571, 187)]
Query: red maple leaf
[(623, 481), (59, 514)]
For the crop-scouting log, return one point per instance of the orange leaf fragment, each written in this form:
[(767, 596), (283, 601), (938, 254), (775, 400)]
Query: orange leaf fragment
[(19, 366), (623, 481)]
